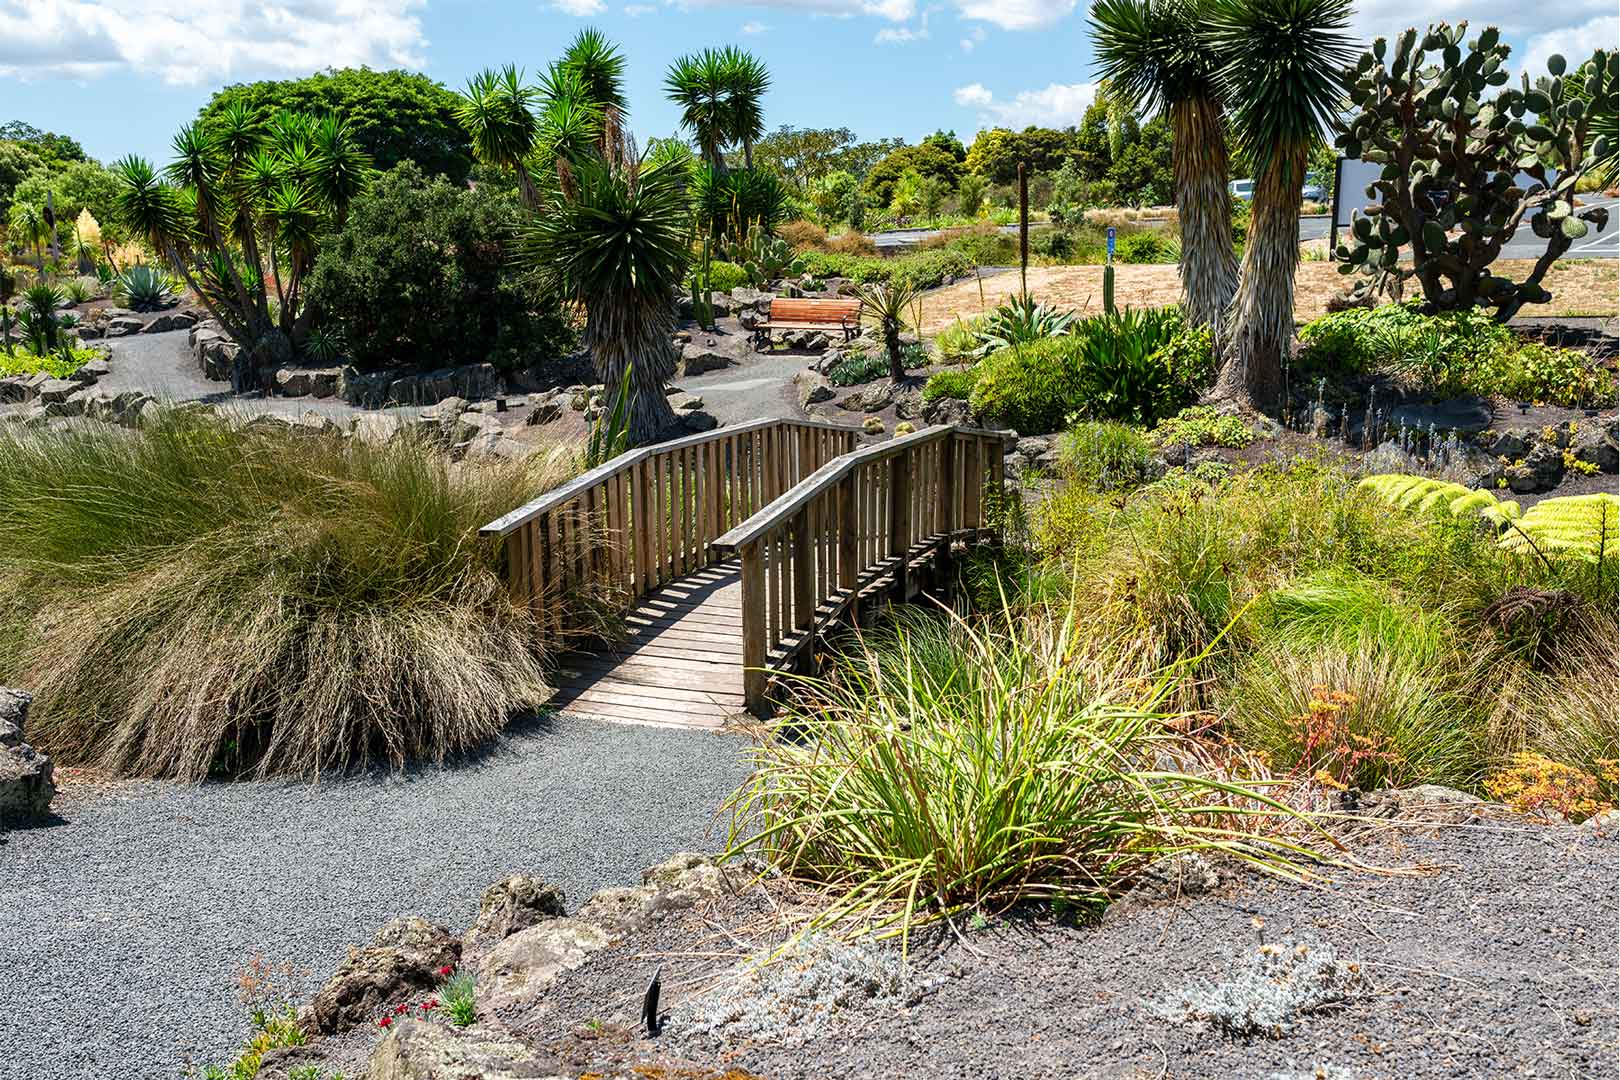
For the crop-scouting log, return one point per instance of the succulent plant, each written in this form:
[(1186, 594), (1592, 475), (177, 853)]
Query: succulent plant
[(1453, 161)]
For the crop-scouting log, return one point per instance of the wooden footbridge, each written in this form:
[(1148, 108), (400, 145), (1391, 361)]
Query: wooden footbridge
[(726, 554)]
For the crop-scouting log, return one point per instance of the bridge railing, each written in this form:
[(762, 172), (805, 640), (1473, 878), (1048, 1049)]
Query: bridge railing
[(809, 552), (650, 515)]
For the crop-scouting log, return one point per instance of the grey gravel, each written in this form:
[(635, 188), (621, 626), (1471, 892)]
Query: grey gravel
[(123, 925)]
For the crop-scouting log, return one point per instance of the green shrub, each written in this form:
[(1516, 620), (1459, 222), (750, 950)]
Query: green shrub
[(919, 269), (954, 383), (1146, 247), (1109, 368), (58, 365), (971, 766), (1201, 425), (273, 603), (725, 276), (1190, 356), (1106, 455), (1020, 320), (858, 366), (1452, 353), (143, 288), (420, 277)]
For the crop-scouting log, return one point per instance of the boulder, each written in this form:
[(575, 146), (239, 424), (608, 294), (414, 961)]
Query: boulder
[(814, 388), (945, 410), (90, 372), (368, 389), (170, 320), (496, 444), (1425, 802), (877, 397), (405, 959), (1595, 444), (55, 390), (682, 881), (508, 906), (376, 428), (15, 388), (423, 1050), (1512, 444), (124, 325), (685, 402), (546, 407), (700, 356), (908, 406), (745, 296), (721, 304), (519, 968), (749, 318), (311, 382), (27, 781), (697, 421)]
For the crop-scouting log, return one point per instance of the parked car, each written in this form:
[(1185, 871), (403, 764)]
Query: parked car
[(1241, 189), (1312, 193)]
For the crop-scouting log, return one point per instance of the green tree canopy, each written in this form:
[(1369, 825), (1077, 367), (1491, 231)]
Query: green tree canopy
[(996, 152), (929, 159), (801, 156), (75, 186), (47, 144), (17, 160), (394, 115)]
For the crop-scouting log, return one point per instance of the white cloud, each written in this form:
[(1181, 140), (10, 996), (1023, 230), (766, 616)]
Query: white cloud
[(892, 10), (1575, 44), (752, 27), (1017, 14), (636, 11), (181, 41), (903, 35), (1057, 105), (581, 8), (975, 37)]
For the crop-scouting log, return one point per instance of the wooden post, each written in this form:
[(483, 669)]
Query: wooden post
[(804, 573), (753, 615), (948, 520), (1023, 230), (900, 517)]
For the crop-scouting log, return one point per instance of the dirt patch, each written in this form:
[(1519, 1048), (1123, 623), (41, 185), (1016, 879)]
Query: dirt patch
[(1579, 287)]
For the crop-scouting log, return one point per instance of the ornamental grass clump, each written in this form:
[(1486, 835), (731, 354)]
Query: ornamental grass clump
[(973, 765), (211, 596)]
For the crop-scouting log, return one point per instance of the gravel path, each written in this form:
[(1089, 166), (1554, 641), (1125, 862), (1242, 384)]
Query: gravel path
[(124, 924)]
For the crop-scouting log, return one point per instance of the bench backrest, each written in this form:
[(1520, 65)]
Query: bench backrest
[(832, 312)]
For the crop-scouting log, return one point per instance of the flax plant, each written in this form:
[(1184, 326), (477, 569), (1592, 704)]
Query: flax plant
[(972, 766)]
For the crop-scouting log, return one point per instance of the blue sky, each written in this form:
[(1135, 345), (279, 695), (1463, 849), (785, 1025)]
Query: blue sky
[(123, 75)]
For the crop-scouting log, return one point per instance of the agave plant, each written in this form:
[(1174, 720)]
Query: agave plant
[(143, 287), (1020, 321)]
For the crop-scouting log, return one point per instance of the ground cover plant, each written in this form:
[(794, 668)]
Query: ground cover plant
[(917, 270), (277, 604)]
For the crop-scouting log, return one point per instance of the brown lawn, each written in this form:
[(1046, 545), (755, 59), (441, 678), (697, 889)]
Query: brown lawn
[(1579, 287)]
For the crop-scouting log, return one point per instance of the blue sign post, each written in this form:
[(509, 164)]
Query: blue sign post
[(1110, 243)]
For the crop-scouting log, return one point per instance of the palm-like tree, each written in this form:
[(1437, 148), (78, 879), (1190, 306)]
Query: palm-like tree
[(27, 221), (597, 67), (1285, 65), (242, 206), (496, 111), (701, 85), (615, 240), (890, 307), (1151, 53), (748, 80)]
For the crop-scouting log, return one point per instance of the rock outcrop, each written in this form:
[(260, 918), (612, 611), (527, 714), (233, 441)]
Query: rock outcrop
[(407, 958), (27, 781)]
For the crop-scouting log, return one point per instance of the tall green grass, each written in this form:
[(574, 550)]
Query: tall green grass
[(208, 595), (973, 764)]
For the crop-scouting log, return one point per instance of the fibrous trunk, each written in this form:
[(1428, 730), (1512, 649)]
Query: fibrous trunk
[(630, 330), (1260, 326), (1209, 269)]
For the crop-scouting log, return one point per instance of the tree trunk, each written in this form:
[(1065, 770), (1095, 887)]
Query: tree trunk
[(1209, 269), (1260, 327), (891, 341), (623, 330)]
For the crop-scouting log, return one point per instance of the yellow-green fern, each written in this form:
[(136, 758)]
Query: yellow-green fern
[(1580, 525), (1426, 495)]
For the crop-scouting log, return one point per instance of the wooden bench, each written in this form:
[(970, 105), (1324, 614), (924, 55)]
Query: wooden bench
[(799, 314)]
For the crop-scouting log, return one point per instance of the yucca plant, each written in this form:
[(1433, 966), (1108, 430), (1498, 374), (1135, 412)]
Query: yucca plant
[(1019, 321), (719, 93), (143, 287), (1152, 53), (1285, 69), (38, 318), (890, 306)]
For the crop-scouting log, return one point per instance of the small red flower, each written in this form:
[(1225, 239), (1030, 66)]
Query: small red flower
[(400, 1008), (385, 1021), (446, 970)]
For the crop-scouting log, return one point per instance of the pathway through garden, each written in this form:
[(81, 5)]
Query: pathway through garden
[(124, 923)]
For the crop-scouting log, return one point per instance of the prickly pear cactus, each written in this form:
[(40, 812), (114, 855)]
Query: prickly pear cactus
[(1456, 142)]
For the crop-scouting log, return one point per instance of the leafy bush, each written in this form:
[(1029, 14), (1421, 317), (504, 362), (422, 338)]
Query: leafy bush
[(725, 276), (959, 340), (1109, 368), (1201, 425), (803, 235), (1534, 784), (143, 287), (58, 364), (1106, 455), (1190, 356), (919, 269), (858, 366), (80, 289), (1451, 353), (1039, 764), (420, 277), (349, 610), (1145, 247), (954, 383), (1019, 320)]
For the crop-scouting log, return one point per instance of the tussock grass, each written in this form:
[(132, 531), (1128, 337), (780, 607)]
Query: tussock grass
[(210, 595), (958, 765)]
